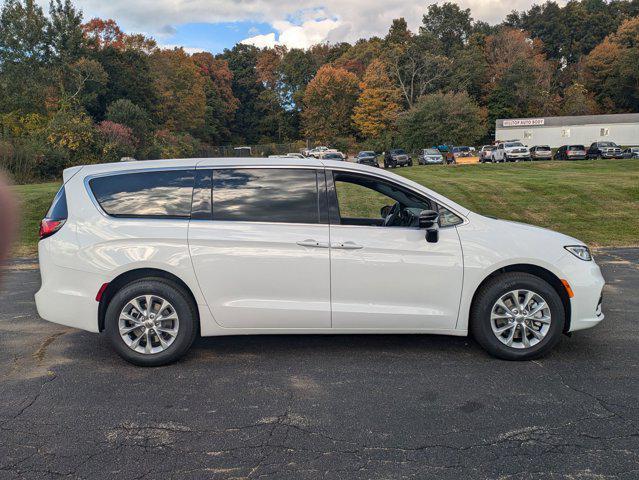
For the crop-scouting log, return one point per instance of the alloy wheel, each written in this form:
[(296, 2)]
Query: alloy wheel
[(520, 318), (148, 324)]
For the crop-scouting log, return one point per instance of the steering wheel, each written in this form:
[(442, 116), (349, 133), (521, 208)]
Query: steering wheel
[(394, 215)]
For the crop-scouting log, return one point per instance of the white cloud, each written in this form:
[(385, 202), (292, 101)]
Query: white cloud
[(296, 22), (189, 50), (308, 33)]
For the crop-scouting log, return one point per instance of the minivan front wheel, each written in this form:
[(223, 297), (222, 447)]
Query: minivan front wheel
[(517, 316), (151, 322)]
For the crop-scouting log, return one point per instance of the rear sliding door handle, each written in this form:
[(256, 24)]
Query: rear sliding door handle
[(346, 246), (312, 243)]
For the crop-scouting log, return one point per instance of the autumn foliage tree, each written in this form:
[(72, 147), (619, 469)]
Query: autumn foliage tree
[(221, 104), (329, 100), (180, 88), (378, 106), (611, 70)]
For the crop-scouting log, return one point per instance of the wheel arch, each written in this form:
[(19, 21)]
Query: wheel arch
[(137, 274), (537, 271)]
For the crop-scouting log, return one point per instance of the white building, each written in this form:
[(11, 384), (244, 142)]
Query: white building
[(622, 128)]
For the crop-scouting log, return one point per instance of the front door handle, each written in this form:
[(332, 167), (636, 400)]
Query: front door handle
[(312, 243), (346, 246)]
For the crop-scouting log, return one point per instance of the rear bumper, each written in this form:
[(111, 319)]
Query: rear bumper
[(67, 296)]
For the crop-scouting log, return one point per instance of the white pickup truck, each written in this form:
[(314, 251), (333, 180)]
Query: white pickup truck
[(510, 152)]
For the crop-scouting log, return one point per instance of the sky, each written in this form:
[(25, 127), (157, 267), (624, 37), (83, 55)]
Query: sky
[(213, 25)]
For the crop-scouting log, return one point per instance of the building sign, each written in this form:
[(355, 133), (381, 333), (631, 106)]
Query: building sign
[(524, 122)]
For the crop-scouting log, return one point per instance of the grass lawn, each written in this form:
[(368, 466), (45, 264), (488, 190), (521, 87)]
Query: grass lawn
[(596, 201)]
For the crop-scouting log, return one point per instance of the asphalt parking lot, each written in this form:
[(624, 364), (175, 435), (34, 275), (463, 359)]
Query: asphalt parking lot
[(342, 407)]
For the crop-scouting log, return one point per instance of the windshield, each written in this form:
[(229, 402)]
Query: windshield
[(514, 144), (366, 154), (607, 144), (488, 147), (431, 151), (576, 147), (543, 148), (398, 151)]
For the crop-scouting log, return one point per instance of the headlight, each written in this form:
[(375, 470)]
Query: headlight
[(580, 251)]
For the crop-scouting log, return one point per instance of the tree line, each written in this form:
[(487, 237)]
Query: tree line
[(81, 91)]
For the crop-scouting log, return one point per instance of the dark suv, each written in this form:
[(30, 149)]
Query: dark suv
[(604, 150), (397, 158), (367, 157)]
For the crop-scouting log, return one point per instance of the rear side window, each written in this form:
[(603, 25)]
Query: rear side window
[(58, 209), (266, 195), (156, 194)]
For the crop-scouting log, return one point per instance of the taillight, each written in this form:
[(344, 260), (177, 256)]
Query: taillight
[(48, 227)]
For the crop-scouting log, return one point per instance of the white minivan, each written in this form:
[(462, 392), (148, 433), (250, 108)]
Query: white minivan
[(155, 253)]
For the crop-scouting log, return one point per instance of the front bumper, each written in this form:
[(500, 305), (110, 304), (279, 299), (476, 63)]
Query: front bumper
[(517, 156), (587, 284)]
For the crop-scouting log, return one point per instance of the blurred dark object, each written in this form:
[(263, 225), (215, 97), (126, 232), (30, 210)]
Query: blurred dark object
[(8, 218)]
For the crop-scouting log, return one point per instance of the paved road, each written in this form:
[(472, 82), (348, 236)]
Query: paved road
[(338, 407)]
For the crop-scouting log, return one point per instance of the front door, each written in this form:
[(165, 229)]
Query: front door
[(261, 252), (384, 274)]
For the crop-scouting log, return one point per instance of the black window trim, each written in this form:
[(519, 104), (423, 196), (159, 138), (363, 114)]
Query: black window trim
[(320, 175), (333, 206), (87, 185)]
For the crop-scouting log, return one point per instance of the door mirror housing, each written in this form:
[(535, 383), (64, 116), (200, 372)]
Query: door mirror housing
[(429, 220)]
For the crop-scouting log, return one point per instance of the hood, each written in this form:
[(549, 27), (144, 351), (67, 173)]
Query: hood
[(526, 234)]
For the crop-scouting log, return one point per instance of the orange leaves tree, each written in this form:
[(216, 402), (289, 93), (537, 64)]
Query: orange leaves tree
[(378, 106), (221, 104), (180, 88), (329, 100), (611, 69)]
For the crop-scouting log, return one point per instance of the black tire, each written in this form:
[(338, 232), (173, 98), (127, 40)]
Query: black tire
[(184, 307), (491, 292), (410, 163)]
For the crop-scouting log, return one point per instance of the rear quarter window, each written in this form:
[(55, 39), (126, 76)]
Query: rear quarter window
[(155, 194), (58, 209)]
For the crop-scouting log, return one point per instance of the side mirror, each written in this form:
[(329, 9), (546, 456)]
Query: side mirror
[(429, 220)]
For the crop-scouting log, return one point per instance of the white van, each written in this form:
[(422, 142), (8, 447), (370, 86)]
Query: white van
[(155, 253)]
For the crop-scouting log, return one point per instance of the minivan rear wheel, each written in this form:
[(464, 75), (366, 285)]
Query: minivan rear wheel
[(517, 316), (151, 322)]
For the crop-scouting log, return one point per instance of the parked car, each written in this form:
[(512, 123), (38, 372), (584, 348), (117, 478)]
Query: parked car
[(541, 152), (430, 156), (462, 152), (632, 152), (287, 155), (317, 151), (604, 150), (510, 152), (367, 157), (156, 253), (571, 152), (485, 153), (332, 155), (397, 158)]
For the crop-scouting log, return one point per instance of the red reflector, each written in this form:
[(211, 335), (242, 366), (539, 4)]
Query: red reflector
[(98, 297), (49, 227)]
